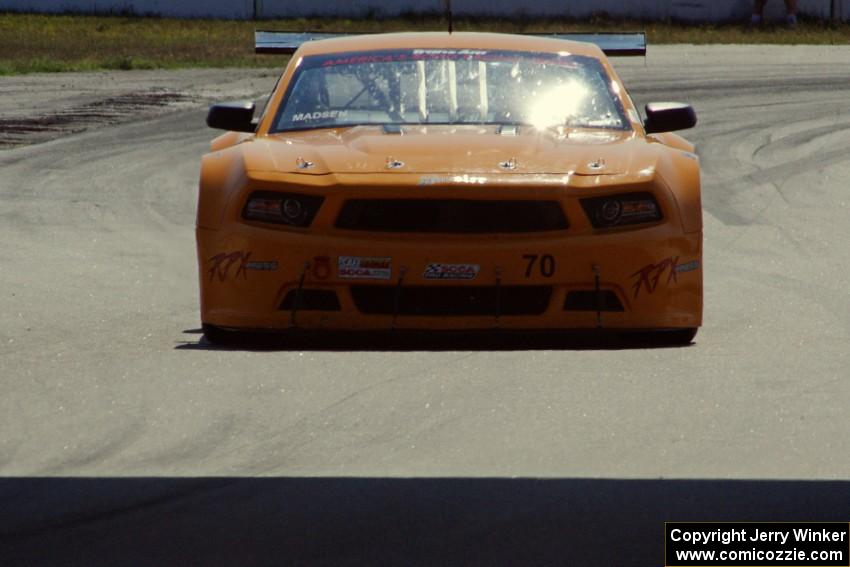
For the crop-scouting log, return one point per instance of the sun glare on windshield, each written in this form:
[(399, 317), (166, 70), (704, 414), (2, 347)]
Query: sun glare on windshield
[(558, 106)]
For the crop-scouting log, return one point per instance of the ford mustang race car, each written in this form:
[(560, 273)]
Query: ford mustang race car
[(460, 181)]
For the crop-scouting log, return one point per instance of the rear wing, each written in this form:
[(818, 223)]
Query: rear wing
[(611, 43)]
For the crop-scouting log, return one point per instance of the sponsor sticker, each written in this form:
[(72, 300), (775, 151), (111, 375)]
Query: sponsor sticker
[(359, 267), (220, 265), (262, 266), (451, 271), (461, 52), (439, 180), (689, 267), (651, 275), (321, 267), (319, 115)]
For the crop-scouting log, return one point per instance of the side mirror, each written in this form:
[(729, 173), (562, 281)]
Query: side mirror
[(669, 117), (233, 116)]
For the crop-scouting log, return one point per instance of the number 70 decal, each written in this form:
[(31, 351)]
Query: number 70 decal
[(545, 264)]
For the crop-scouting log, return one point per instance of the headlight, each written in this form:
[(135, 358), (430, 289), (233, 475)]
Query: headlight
[(620, 210), (282, 208)]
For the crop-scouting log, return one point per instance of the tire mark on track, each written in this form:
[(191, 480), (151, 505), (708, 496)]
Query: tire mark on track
[(19, 131)]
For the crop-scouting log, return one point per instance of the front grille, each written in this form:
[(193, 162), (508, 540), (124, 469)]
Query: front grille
[(311, 300), (451, 300), (590, 300), (457, 216)]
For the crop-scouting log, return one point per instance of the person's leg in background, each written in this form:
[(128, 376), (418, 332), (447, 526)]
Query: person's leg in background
[(790, 12), (758, 12)]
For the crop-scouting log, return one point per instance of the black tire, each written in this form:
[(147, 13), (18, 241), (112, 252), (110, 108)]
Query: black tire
[(666, 337), (222, 337), (680, 336)]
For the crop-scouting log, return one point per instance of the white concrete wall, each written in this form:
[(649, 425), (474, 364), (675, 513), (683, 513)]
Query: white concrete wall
[(688, 10)]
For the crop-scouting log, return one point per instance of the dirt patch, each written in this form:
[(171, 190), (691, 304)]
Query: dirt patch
[(40, 107), (23, 130)]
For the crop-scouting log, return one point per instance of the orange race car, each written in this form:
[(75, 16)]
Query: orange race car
[(449, 181)]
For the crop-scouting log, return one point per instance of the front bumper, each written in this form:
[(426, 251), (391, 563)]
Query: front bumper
[(254, 278)]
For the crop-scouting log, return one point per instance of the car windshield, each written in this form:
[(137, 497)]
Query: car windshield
[(448, 86)]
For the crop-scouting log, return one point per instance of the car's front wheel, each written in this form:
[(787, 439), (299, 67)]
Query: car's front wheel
[(665, 337), (223, 337)]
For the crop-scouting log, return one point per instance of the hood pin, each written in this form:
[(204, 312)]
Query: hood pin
[(393, 163), (511, 164), (302, 163)]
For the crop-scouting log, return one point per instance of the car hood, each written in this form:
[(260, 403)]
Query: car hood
[(450, 150)]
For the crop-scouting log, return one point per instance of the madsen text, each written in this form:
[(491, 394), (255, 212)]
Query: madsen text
[(727, 536)]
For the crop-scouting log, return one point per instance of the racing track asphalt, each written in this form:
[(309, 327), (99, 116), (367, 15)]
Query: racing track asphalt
[(125, 439)]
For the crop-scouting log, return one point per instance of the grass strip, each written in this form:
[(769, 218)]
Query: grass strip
[(32, 43)]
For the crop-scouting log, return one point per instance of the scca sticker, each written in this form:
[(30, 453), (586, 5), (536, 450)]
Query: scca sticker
[(451, 271), (358, 267)]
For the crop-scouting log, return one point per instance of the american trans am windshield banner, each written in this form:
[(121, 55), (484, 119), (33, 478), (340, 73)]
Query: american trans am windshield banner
[(757, 544)]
